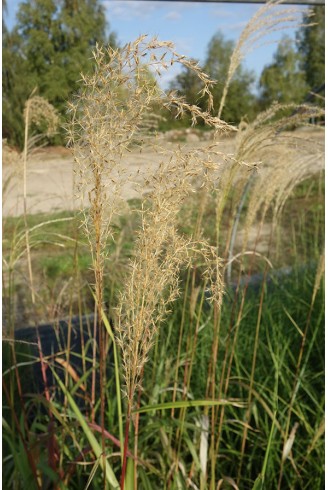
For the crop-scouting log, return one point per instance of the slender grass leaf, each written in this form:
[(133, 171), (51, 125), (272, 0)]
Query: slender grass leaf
[(110, 476), (117, 377), (129, 475), (146, 484), (189, 403), (258, 484), (93, 472)]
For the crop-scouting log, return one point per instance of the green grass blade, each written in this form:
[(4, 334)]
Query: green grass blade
[(117, 375), (267, 452), (117, 380), (189, 403), (92, 474), (110, 476), (146, 484), (129, 475), (259, 482)]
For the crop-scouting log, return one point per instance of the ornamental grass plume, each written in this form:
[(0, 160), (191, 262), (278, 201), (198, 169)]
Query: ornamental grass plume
[(153, 281), (107, 117), (275, 159), (42, 115)]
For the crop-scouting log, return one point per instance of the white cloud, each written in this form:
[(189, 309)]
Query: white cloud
[(173, 15), (122, 10)]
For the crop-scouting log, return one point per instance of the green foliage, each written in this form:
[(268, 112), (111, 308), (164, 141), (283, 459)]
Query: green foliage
[(311, 46), (297, 70), (16, 87), (240, 100), (49, 47), (283, 81)]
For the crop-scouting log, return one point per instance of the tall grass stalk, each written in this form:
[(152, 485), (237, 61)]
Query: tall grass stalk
[(104, 123), (38, 113)]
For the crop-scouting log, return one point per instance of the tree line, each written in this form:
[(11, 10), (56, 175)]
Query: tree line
[(52, 41)]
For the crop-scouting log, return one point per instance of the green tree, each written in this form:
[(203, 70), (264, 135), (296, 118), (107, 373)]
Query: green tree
[(16, 87), (283, 80), (311, 47), (188, 84), (240, 101), (53, 42)]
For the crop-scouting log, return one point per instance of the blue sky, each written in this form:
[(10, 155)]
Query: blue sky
[(190, 25)]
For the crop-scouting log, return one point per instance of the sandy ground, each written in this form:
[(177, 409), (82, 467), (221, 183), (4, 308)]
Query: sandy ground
[(50, 176), (50, 179)]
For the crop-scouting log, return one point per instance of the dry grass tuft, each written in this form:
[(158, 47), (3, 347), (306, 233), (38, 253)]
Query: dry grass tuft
[(153, 281), (108, 116)]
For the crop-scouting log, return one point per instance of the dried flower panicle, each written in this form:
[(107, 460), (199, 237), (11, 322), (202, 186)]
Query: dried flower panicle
[(110, 114), (153, 282)]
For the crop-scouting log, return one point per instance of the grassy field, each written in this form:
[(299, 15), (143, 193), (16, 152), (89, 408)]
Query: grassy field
[(191, 355)]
